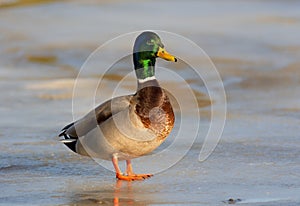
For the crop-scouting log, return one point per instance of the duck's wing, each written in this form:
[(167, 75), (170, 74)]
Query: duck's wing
[(81, 127)]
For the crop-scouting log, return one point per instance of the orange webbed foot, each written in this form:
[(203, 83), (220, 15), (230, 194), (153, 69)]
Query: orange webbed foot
[(145, 176), (133, 177)]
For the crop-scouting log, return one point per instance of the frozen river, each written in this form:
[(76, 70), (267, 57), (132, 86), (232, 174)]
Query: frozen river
[(255, 47)]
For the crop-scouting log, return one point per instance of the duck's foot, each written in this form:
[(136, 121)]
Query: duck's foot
[(133, 177)]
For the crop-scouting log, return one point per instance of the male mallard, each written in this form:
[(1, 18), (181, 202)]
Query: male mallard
[(130, 126)]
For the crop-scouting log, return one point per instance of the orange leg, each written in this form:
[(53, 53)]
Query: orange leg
[(130, 172), (130, 175)]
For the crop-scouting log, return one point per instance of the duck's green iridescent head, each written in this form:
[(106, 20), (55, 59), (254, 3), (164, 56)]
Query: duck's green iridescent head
[(147, 48)]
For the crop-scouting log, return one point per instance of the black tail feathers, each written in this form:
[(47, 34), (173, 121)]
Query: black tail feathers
[(68, 140)]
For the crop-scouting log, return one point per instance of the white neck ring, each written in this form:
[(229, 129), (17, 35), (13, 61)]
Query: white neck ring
[(146, 79)]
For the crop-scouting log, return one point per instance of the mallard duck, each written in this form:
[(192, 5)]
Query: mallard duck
[(131, 126)]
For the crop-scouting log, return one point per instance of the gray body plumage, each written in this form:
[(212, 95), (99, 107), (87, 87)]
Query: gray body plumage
[(113, 128)]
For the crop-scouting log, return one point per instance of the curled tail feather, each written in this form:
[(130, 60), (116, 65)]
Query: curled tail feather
[(68, 140)]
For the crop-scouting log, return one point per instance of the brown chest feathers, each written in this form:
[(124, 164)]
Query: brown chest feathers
[(155, 110)]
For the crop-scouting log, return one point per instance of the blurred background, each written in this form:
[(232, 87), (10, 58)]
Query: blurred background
[(253, 44)]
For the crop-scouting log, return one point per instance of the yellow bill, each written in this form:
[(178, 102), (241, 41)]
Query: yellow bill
[(162, 53)]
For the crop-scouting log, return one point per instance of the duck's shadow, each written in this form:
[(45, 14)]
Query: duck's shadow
[(122, 193)]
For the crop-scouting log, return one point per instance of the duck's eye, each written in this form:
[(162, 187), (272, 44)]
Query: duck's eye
[(150, 42)]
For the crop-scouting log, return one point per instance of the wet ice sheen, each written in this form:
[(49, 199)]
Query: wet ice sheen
[(254, 46)]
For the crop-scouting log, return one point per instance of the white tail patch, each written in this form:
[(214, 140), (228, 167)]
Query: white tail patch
[(67, 140)]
